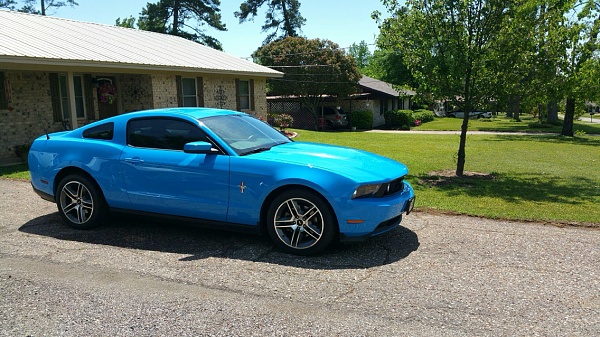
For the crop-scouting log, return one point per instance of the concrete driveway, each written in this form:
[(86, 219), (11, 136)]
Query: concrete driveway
[(436, 275)]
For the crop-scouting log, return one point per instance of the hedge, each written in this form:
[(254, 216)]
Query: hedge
[(361, 119), (399, 119), (423, 115)]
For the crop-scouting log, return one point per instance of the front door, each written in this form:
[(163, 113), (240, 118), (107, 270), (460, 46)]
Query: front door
[(107, 97), (161, 178)]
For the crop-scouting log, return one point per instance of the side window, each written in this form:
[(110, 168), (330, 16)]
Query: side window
[(104, 131), (163, 133)]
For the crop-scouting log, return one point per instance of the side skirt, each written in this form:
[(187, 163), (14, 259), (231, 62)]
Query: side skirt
[(203, 223)]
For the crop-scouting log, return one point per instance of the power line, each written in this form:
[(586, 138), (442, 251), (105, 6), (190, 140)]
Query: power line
[(300, 54)]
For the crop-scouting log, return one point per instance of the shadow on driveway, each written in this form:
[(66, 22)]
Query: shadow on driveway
[(198, 243)]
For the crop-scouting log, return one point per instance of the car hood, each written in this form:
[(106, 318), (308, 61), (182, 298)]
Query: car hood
[(358, 165)]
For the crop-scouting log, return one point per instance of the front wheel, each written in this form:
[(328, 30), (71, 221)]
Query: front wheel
[(80, 202), (300, 222)]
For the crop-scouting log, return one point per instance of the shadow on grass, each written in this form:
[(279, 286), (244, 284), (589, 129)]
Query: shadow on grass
[(198, 243), (555, 139), (517, 188)]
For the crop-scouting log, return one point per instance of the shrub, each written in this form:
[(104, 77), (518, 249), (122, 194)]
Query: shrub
[(423, 115), (280, 120), (361, 119), (399, 119)]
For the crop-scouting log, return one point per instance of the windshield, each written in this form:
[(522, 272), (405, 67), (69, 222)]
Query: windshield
[(245, 134)]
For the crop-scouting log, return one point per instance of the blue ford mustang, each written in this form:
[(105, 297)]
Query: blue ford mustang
[(219, 168)]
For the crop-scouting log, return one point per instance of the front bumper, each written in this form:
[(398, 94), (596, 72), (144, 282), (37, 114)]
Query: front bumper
[(364, 218)]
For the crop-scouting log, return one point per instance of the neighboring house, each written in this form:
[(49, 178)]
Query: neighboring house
[(57, 73), (373, 95)]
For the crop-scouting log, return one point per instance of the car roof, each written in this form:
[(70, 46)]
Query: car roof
[(196, 113)]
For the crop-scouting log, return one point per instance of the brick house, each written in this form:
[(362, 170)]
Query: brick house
[(57, 74)]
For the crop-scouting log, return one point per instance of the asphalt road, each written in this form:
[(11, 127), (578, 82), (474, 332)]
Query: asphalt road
[(436, 275)]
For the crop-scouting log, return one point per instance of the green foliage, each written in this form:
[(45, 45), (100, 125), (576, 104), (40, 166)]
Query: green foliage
[(313, 68), (361, 54), (399, 119), (281, 15), (423, 115), (127, 22), (31, 6), (388, 65), (171, 16), (361, 119)]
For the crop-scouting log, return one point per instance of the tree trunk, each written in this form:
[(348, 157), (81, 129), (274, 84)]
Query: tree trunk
[(287, 26), (567, 129), (460, 162), (516, 108), (552, 112), (176, 5), (43, 7)]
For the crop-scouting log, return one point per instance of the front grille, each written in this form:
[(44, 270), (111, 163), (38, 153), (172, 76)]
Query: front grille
[(388, 224), (391, 188)]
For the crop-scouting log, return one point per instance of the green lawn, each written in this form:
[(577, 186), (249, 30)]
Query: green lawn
[(535, 177), (503, 124), (20, 171)]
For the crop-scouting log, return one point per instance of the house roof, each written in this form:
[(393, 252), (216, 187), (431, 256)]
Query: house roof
[(373, 84), (27, 39)]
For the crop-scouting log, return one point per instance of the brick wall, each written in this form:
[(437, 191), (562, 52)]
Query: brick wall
[(29, 113), (164, 91), (219, 92), (135, 92)]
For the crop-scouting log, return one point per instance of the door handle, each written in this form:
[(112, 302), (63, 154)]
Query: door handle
[(135, 160)]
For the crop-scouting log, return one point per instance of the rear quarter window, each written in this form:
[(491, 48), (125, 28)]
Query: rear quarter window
[(102, 131)]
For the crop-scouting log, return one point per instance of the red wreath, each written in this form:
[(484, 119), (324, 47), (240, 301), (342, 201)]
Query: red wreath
[(106, 93)]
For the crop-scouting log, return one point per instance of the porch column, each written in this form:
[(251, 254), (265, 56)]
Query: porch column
[(72, 103)]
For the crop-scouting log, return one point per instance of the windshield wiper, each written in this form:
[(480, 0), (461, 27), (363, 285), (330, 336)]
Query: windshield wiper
[(258, 150)]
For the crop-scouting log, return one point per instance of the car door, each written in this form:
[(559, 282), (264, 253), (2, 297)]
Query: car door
[(161, 178)]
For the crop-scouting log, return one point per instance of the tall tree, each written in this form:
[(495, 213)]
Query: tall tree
[(313, 68), (533, 49), (583, 52), (281, 15), (30, 6), (388, 65), (361, 53), (447, 46), (183, 18)]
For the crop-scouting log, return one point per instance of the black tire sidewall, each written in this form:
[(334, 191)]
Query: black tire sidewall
[(98, 215), (330, 229)]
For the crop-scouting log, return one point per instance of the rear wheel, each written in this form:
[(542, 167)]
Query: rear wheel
[(80, 202), (300, 222)]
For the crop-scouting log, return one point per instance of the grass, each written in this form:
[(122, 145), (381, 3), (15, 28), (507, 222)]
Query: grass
[(503, 124), (546, 178), (535, 177), (19, 171)]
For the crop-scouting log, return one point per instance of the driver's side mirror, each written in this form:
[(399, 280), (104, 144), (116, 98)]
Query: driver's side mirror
[(198, 148)]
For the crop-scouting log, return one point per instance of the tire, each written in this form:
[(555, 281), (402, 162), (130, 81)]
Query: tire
[(300, 222), (80, 202)]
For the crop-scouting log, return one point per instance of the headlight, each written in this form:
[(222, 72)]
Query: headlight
[(366, 191)]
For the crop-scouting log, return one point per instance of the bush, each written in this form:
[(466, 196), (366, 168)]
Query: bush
[(280, 120), (423, 115), (399, 119), (361, 119)]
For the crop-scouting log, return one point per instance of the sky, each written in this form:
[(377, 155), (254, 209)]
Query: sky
[(341, 21)]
